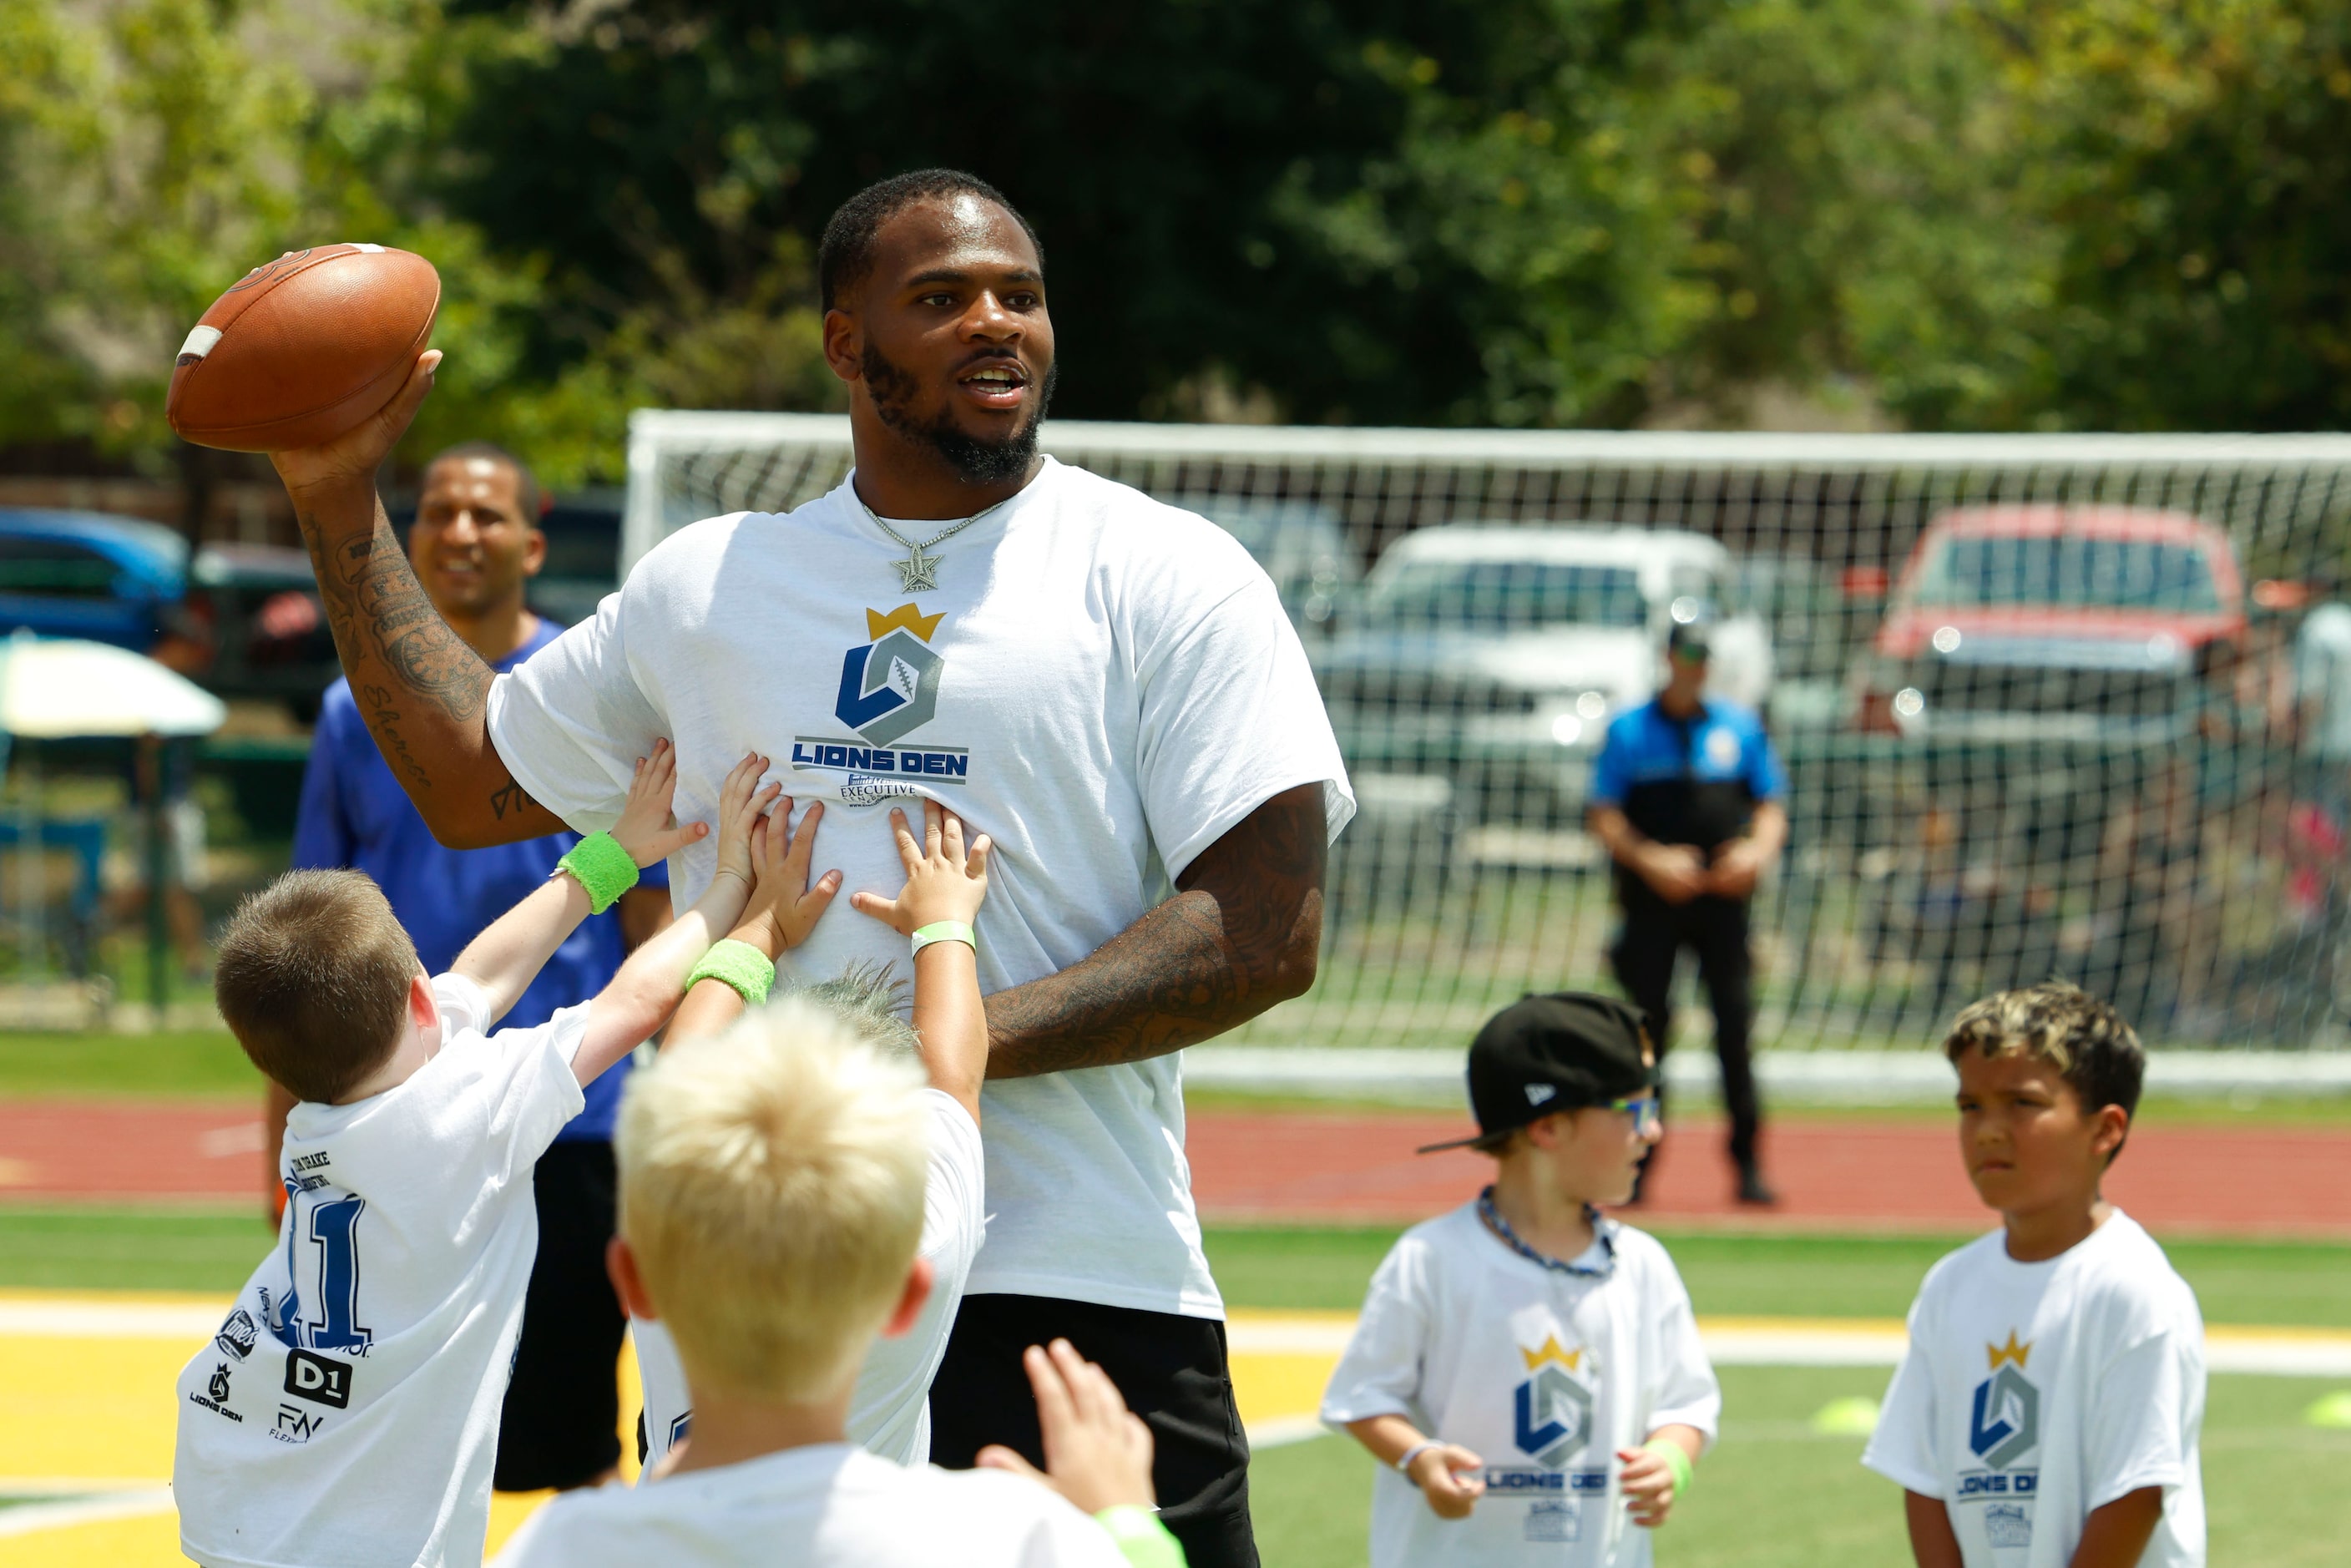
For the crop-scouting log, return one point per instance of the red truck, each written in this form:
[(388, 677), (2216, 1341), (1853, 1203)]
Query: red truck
[(2052, 622)]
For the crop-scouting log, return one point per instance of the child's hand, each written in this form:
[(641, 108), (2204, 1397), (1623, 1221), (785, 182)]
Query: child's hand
[(943, 882), (646, 829), (1097, 1452), (1451, 1477), (1648, 1483), (742, 800), (784, 908)]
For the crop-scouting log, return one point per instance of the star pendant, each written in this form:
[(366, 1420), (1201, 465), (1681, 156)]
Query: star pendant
[(919, 573)]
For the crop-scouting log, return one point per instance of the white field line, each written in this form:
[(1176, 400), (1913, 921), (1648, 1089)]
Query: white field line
[(1818, 1342), (102, 1317), (28, 1518), (1283, 1430)]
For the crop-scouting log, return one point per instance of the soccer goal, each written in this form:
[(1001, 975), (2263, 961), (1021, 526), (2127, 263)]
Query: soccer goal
[(2048, 704)]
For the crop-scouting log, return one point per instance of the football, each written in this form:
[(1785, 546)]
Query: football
[(302, 348)]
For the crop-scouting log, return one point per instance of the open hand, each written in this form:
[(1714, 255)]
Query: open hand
[(353, 458), (943, 881), (1648, 1483), (1097, 1452), (1451, 1477), (647, 829), (743, 802), (784, 908)]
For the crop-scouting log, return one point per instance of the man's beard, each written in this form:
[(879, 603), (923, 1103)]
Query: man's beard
[(975, 459)]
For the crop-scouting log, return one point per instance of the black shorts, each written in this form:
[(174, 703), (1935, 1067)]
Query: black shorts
[(1172, 1370), (563, 1406)]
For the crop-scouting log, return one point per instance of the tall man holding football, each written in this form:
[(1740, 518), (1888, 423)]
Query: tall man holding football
[(1105, 685)]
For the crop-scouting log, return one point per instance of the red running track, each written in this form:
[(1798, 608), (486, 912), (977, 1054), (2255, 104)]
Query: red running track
[(1832, 1173)]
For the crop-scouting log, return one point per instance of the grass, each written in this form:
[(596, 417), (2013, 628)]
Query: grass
[(118, 1250), (190, 1066), (1773, 1494)]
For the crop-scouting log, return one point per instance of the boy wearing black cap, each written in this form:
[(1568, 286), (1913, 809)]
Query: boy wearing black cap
[(1529, 1371)]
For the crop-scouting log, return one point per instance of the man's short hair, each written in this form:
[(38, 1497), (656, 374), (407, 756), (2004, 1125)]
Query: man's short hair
[(313, 981), (844, 257), (771, 1189), (2084, 1038), (526, 490)]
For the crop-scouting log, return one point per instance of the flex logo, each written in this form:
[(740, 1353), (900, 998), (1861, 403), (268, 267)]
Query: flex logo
[(891, 685), (318, 1379), (296, 1425), (2006, 1422), (1553, 1410)]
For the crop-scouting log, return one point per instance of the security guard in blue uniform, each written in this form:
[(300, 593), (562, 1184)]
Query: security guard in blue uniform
[(1687, 797)]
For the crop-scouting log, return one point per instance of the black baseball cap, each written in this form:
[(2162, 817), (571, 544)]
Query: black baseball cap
[(1556, 1052), (1692, 639)]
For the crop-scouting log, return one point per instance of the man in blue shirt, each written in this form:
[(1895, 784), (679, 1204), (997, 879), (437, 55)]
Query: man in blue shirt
[(1687, 797), (475, 544)]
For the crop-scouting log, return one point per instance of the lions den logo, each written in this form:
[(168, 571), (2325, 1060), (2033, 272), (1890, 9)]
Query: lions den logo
[(889, 688), (1555, 1411), (2006, 1423)]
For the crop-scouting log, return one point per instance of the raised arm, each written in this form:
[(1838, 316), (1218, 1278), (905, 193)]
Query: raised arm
[(423, 693), (783, 909), (1242, 933), (945, 885), (508, 955)]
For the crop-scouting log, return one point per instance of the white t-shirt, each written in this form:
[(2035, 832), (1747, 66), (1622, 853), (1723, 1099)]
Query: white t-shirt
[(2032, 1394), (1541, 1373), (890, 1414), (829, 1506), (2322, 674), (348, 1410), (1102, 683)]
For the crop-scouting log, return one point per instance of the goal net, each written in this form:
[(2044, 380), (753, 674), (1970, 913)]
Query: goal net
[(2047, 706)]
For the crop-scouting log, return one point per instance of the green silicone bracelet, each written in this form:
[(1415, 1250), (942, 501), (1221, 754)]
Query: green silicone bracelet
[(599, 864), (1678, 1461), (946, 931), (736, 965), (1142, 1539)]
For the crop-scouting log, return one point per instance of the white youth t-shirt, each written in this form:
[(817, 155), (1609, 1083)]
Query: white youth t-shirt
[(890, 1413), (1541, 1373), (348, 1410), (830, 1506), (1102, 683), (2032, 1394)]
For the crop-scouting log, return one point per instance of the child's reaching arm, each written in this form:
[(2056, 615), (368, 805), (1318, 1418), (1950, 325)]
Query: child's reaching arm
[(1451, 1477), (782, 911), (944, 885), (646, 992), (508, 956)]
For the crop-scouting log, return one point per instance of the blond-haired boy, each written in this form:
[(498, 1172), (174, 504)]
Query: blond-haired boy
[(771, 1204), (1528, 1372), (348, 1410), (2047, 1412)]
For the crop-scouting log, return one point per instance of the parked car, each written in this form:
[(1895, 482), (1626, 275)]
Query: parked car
[(243, 621), (2047, 622), (1498, 655), (1303, 545)]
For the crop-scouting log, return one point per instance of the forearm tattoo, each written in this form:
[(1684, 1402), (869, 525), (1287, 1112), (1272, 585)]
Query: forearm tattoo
[(402, 659), (1240, 936)]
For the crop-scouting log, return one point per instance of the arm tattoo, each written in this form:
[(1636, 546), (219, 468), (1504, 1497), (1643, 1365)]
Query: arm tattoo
[(510, 797), (1240, 936)]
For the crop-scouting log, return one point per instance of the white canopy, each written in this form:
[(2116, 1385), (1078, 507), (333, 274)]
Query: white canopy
[(54, 688)]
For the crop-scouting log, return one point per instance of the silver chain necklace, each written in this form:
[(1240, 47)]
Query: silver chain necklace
[(919, 572)]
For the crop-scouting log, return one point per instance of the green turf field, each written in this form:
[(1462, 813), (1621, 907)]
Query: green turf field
[(178, 1066)]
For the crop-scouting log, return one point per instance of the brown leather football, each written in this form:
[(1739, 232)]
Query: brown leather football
[(304, 347)]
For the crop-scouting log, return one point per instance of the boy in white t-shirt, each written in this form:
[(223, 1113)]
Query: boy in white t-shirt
[(1529, 1371), (2047, 1411), (346, 1412), (771, 1201), (889, 1413)]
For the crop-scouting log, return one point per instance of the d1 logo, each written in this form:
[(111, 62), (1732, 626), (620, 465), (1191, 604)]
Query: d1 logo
[(318, 1379), (2006, 1420), (1555, 1417)]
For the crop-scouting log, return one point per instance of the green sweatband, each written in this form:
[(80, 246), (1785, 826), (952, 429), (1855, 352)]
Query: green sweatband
[(599, 864), (946, 931), (738, 966), (1142, 1539), (1678, 1462)]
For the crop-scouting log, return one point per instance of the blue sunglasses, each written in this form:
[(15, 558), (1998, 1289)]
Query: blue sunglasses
[(1646, 1110)]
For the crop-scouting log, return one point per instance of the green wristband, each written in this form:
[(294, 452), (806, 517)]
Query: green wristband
[(1678, 1462), (738, 965), (946, 931), (599, 864), (1142, 1539)]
